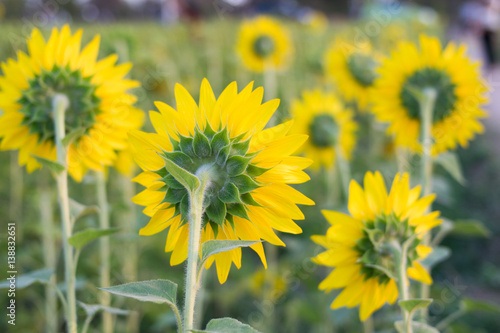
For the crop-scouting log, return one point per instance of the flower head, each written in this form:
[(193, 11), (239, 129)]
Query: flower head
[(247, 196), (99, 104), (264, 44), (455, 79), (357, 245), (330, 126), (352, 68)]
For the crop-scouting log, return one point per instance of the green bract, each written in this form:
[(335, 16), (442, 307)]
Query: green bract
[(232, 175), (374, 249), (429, 78), (36, 102)]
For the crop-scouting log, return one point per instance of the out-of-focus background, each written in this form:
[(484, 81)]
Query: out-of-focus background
[(171, 41)]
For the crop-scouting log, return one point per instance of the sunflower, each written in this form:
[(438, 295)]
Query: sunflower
[(248, 198), (330, 126), (264, 44), (356, 244), (352, 68), (99, 105), (456, 80)]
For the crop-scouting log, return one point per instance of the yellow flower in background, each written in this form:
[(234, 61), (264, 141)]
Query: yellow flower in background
[(460, 94), (264, 44), (354, 244), (97, 91), (316, 21), (329, 124), (352, 67), (249, 197)]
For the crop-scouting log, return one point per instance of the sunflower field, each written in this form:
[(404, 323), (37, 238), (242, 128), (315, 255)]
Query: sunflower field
[(248, 174)]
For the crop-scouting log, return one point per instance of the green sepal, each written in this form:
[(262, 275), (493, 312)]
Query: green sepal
[(186, 145), (174, 196), (229, 193), (249, 200), (222, 155), (216, 211), (215, 228), (238, 210), (209, 131), (172, 182), (201, 144), (244, 183), (182, 160), (184, 208), (255, 171), (230, 220), (240, 148), (219, 140), (236, 165)]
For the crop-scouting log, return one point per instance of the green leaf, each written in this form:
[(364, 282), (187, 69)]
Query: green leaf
[(416, 327), (92, 309), (244, 183), (226, 325), (25, 280), (72, 136), (212, 247), (217, 211), (472, 305), (449, 161), (53, 166), (82, 238), (438, 254), (411, 305), (156, 291), (78, 210), (229, 194), (201, 144), (470, 228), (186, 178), (383, 270), (236, 165)]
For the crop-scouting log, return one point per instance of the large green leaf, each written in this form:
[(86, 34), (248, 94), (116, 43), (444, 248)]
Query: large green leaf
[(472, 305), (226, 325), (411, 305), (186, 178), (78, 210), (212, 247), (449, 161), (82, 238), (156, 291), (53, 166), (416, 327), (438, 254), (470, 228), (25, 280)]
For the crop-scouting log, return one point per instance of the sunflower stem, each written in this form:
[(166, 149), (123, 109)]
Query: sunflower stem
[(400, 260), (104, 251), (270, 86), (195, 223), (59, 105), (427, 103)]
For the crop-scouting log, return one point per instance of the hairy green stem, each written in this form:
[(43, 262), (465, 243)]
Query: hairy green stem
[(400, 260), (49, 252), (59, 105), (195, 223), (427, 103), (104, 251)]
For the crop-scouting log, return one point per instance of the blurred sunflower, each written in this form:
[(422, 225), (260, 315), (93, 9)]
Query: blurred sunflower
[(248, 197), (316, 21), (330, 126), (353, 69), (99, 105), (264, 44), (356, 244), (456, 80)]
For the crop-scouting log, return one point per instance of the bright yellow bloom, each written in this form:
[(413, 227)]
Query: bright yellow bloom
[(352, 68), (330, 126), (355, 243), (250, 196), (460, 94), (97, 92), (264, 44)]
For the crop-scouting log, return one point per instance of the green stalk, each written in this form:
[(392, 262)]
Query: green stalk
[(427, 102), (195, 223), (368, 325), (344, 173), (104, 251), (59, 105), (16, 192), (400, 260), (49, 252), (270, 89)]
